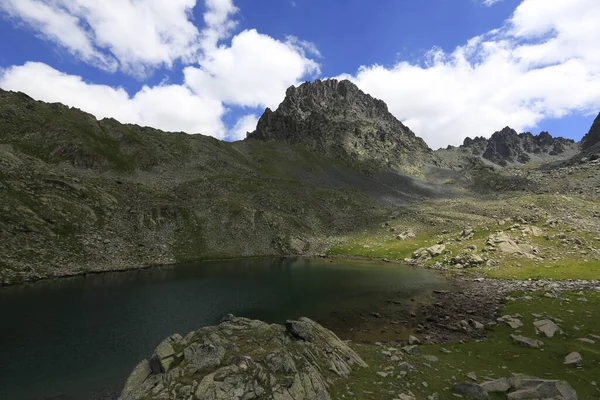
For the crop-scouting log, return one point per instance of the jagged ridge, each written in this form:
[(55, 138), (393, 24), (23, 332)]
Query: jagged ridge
[(509, 148), (337, 118)]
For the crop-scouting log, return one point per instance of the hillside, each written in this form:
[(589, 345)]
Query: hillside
[(81, 195)]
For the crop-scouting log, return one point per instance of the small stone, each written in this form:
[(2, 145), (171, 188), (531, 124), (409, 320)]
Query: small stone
[(472, 376), (586, 340), (573, 358), (414, 349), (382, 374), (431, 358), (445, 350), (413, 340)]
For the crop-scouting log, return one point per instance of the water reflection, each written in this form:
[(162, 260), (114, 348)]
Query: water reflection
[(78, 335)]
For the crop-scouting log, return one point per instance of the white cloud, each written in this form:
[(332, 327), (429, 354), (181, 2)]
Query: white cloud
[(243, 126), (254, 71), (490, 2), (141, 35), (543, 63), (58, 25), (167, 107)]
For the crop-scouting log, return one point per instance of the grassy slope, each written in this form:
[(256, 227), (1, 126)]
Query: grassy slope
[(574, 257), (495, 357)]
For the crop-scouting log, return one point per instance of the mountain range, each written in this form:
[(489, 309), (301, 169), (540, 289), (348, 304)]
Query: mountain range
[(82, 195)]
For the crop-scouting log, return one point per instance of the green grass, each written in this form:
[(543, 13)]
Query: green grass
[(497, 356), (561, 270), (380, 246)]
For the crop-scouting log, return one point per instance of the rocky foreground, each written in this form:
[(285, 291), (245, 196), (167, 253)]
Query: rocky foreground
[(249, 359), (245, 359)]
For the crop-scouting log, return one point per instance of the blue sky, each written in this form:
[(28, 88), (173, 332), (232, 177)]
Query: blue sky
[(447, 68)]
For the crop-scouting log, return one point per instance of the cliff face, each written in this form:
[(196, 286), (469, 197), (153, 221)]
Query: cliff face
[(509, 148), (336, 118), (592, 138)]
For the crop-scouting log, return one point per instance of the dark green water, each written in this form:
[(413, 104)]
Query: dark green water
[(78, 338)]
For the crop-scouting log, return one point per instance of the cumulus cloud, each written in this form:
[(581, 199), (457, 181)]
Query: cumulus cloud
[(243, 126), (137, 35), (167, 107), (252, 70), (543, 63)]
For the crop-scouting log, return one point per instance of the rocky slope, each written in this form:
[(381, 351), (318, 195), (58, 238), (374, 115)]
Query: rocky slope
[(336, 118), (591, 141), (79, 195), (245, 359), (508, 148)]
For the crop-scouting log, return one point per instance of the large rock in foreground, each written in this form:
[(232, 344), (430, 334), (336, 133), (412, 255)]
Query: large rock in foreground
[(244, 359)]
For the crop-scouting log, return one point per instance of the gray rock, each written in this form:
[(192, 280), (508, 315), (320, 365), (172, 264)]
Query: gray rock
[(544, 389), (436, 250), (501, 385), (431, 358), (413, 340), (300, 329), (414, 349), (513, 322), (547, 327), (527, 342), (165, 349), (470, 391), (586, 340), (472, 375), (203, 355), (271, 361), (573, 358), (136, 379)]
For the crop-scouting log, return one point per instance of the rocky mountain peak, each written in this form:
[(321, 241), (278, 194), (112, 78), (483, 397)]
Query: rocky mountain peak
[(509, 148), (592, 138), (338, 119)]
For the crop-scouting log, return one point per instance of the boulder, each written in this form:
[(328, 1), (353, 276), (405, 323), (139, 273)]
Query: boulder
[(436, 250), (296, 361), (545, 326), (501, 385), (543, 389), (406, 235), (470, 391), (527, 342), (513, 322)]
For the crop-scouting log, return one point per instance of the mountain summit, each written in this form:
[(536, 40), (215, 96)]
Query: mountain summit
[(337, 118)]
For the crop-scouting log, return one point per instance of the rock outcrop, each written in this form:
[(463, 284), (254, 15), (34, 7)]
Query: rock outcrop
[(244, 359), (337, 118), (509, 148), (592, 138)]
